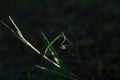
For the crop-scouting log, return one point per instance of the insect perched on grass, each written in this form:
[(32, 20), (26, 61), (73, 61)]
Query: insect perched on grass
[(65, 40)]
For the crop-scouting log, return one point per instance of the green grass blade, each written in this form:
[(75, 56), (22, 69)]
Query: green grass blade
[(18, 34), (53, 52), (9, 28), (56, 72), (50, 43), (21, 37), (17, 29)]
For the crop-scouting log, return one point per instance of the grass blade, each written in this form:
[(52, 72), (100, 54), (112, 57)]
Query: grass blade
[(53, 52), (56, 72), (21, 37), (50, 43)]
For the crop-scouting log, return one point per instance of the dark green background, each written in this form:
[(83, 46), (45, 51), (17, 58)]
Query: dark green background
[(92, 25)]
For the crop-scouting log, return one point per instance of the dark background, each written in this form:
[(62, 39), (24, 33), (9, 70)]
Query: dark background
[(92, 25)]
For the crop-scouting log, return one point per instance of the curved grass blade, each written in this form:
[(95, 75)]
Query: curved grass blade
[(53, 52), (50, 43)]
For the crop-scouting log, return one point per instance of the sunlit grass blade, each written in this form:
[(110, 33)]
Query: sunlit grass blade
[(53, 52)]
